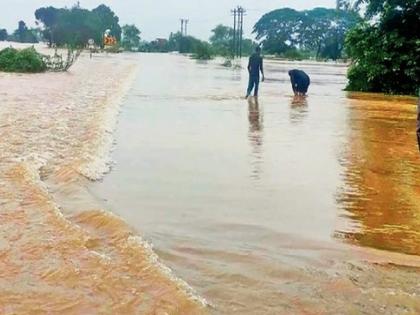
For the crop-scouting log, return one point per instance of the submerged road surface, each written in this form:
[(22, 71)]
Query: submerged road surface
[(275, 206)]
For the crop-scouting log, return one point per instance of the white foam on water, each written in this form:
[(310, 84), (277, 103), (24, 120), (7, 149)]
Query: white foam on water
[(100, 162), (154, 260)]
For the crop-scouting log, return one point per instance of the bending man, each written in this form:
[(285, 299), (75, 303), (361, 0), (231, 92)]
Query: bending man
[(300, 82)]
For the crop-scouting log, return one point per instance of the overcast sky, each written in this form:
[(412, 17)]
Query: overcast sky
[(157, 18)]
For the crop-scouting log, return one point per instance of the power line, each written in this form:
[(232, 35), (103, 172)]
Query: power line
[(235, 12), (184, 27), (238, 30)]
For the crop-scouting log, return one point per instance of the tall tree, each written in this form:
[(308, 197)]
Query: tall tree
[(3, 34), (76, 26), (131, 37), (222, 39), (321, 31), (108, 21), (49, 17), (23, 34), (385, 50), (279, 30), (317, 29)]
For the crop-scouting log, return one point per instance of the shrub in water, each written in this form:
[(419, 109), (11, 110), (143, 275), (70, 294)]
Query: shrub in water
[(203, 51), (26, 60)]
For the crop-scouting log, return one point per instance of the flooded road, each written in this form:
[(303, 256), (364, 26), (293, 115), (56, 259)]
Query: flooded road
[(60, 252), (275, 206), (281, 206)]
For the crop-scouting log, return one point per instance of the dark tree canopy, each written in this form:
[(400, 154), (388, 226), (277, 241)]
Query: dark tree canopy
[(76, 26), (320, 31), (108, 20), (385, 50), (23, 34), (131, 37), (3, 34), (222, 41)]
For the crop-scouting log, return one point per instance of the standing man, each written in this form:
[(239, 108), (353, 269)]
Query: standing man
[(255, 66)]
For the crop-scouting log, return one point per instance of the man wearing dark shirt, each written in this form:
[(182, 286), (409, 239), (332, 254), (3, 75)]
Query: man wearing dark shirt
[(300, 82), (255, 66)]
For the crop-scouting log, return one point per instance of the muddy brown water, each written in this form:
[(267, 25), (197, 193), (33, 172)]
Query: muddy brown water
[(277, 205), (281, 206)]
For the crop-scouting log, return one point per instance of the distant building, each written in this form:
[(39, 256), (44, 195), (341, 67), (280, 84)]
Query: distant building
[(161, 42)]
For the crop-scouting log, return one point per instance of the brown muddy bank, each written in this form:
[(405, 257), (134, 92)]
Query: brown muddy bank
[(56, 128)]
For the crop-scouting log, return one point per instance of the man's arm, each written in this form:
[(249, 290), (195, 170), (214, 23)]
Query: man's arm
[(249, 65), (262, 69), (293, 81)]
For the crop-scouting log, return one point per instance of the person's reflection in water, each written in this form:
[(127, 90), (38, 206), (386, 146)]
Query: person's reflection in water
[(255, 136), (299, 108)]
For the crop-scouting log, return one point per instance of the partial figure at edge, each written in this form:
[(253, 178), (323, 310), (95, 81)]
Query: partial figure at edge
[(300, 82), (255, 66), (418, 123)]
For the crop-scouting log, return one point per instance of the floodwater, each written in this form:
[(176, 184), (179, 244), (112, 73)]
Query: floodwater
[(277, 205), (55, 132)]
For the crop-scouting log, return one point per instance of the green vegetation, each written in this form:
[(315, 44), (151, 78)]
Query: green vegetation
[(222, 42), (26, 60), (203, 51), (131, 38), (189, 45), (3, 35), (320, 32), (75, 26), (22, 34), (385, 49), (384, 46), (30, 61), (57, 63)]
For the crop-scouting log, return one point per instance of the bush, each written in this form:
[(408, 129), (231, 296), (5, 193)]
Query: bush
[(26, 60), (294, 54), (382, 61), (385, 49), (203, 51)]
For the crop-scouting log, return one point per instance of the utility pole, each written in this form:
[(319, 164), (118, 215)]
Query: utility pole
[(182, 27), (235, 12), (186, 27), (238, 31), (241, 28)]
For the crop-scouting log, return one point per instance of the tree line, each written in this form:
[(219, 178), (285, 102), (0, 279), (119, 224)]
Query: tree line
[(75, 26), (383, 44), (21, 35), (319, 33)]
